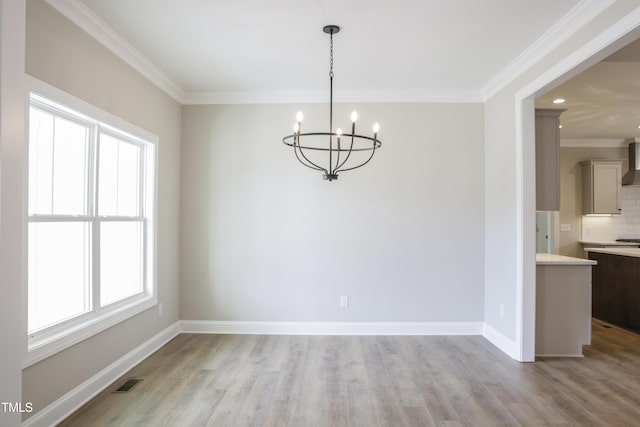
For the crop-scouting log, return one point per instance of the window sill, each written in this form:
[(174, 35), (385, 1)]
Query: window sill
[(42, 348)]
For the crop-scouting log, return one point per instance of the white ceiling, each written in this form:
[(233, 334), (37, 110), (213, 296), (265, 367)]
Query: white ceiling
[(400, 50), (602, 102), (237, 51)]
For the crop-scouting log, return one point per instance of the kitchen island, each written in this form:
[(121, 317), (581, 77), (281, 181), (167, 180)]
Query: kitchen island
[(616, 286), (563, 305)]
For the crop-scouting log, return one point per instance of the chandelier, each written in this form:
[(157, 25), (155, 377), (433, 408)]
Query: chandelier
[(338, 151)]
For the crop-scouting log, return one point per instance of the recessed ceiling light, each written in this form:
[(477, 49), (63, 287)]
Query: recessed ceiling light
[(558, 100), (560, 126)]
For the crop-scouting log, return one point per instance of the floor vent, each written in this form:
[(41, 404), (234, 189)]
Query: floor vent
[(128, 385), (607, 326)]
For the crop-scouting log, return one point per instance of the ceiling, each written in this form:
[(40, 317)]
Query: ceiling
[(602, 102), (401, 50), (253, 51)]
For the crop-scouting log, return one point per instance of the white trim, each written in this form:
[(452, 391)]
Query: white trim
[(596, 49), (70, 402), (525, 214), (331, 328), (371, 96), (13, 160), (504, 343), (265, 97), (567, 26), (593, 143), (559, 355), (81, 15)]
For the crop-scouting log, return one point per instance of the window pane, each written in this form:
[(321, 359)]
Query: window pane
[(120, 260), (69, 167), (40, 161), (57, 165), (59, 271), (119, 179)]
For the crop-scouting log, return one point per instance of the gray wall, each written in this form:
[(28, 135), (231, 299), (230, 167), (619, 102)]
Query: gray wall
[(62, 55), (264, 238)]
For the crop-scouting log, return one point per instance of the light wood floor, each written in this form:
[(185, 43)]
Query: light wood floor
[(245, 380)]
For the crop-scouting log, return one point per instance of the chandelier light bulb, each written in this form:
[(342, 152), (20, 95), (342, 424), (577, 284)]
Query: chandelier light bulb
[(299, 117), (296, 127), (339, 132), (354, 116), (376, 128)]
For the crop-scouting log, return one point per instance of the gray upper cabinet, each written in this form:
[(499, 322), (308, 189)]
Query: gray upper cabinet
[(548, 159), (601, 186)]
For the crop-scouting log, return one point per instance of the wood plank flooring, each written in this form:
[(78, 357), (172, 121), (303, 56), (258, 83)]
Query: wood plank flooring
[(247, 380)]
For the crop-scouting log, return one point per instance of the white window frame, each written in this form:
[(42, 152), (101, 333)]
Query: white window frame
[(51, 340)]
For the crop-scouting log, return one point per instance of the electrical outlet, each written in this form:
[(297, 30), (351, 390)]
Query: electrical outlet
[(344, 301), (160, 309)]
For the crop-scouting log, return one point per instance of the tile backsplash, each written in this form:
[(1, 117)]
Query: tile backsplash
[(617, 226), (628, 224)]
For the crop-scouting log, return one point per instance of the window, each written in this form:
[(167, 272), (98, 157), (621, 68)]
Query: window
[(91, 256)]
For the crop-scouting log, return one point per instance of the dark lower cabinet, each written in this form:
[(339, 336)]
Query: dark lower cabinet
[(616, 289)]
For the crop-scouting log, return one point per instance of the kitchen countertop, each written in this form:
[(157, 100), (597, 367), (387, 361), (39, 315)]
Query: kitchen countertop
[(553, 259), (635, 252), (610, 243)]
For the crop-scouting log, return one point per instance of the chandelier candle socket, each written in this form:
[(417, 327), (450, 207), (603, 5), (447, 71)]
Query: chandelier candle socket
[(356, 152)]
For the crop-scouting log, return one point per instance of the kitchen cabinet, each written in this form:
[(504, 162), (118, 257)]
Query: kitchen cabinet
[(563, 305), (616, 294), (601, 186), (548, 159)]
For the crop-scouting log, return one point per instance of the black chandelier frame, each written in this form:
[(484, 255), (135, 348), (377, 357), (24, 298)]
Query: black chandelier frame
[(336, 147)]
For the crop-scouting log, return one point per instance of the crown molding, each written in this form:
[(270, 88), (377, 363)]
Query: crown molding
[(255, 97), (567, 26), (78, 13), (312, 97), (593, 143), (82, 16)]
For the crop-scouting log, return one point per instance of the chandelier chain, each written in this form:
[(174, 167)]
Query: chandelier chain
[(331, 57)]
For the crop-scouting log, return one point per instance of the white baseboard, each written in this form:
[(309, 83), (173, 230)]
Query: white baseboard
[(504, 343), (498, 339), (70, 402), (560, 355), (331, 328)]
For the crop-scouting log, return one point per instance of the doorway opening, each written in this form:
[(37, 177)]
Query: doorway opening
[(615, 37)]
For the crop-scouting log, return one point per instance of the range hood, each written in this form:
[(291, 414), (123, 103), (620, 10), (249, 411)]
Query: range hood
[(633, 176)]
